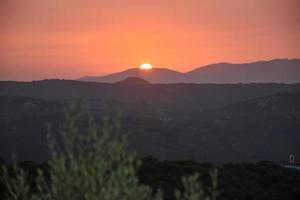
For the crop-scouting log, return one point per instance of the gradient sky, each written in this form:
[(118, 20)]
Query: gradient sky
[(72, 38)]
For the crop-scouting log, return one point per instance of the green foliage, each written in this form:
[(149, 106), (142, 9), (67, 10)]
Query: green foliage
[(193, 189), (17, 186), (88, 165)]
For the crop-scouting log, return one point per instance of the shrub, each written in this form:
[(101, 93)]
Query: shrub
[(91, 164)]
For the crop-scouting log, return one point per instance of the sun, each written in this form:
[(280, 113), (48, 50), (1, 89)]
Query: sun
[(145, 66)]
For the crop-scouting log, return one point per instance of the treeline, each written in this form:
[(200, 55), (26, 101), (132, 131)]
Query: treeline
[(261, 180), (246, 181)]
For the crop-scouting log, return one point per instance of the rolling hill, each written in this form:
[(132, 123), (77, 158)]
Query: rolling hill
[(155, 75), (204, 122), (273, 71)]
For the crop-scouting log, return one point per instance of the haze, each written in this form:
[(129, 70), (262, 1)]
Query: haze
[(72, 38)]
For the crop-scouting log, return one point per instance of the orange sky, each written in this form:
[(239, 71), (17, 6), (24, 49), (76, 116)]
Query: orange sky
[(72, 38)]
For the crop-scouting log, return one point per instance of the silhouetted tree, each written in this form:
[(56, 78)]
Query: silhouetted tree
[(90, 164)]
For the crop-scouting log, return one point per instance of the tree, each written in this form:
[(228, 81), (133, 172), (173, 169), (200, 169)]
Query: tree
[(90, 164)]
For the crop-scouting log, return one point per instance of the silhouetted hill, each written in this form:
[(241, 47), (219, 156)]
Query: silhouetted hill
[(185, 95), (273, 71), (131, 81), (155, 75), (204, 122)]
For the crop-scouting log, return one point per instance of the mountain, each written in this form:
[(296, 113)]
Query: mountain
[(273, 71), (155, 75), (131, 81)]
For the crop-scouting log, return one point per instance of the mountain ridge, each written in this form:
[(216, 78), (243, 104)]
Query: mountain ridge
[(265, 71)]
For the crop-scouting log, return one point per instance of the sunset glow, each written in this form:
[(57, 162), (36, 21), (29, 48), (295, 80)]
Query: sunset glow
[(70, 39), (146, 66)]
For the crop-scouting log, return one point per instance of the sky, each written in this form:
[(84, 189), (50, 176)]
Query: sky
[(68, 39)]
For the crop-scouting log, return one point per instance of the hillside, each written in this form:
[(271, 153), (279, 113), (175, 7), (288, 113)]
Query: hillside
[(205, 122), (155, 75), (273, 71), (202, 95)]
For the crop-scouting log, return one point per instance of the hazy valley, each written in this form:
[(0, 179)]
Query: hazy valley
[(203, 122)]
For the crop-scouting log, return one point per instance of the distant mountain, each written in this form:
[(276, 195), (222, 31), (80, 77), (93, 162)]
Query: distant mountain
[(133, 81), (273, 71), (155, 75), (278, 71)]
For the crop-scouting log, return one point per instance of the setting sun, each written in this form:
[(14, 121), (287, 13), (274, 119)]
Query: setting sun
[(146, 66)]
